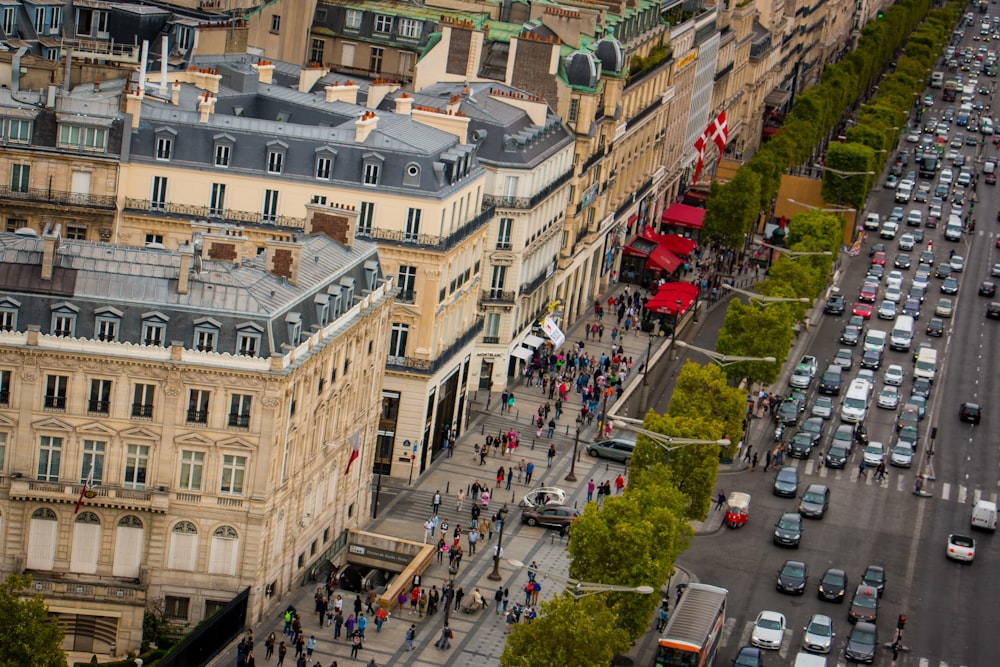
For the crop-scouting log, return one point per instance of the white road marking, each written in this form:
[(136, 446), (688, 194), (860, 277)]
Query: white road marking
[(962, 494), (976, 495), (945, 491)]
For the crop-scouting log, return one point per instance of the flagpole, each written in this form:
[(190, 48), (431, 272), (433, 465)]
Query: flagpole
[(86, 487)]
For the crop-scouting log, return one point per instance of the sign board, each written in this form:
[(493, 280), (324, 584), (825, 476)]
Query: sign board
[(553, 331), (379, 554)]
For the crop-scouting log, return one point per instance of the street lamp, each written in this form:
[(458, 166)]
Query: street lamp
[(495, 574), (571, 477), (663, 440), (832, 209), (793, 253), (578, 589), (762, 300), (723, 359), (649, 350)]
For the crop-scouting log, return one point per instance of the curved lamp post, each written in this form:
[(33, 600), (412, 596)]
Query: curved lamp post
[(578, 589), (495, 574), (723, 359)]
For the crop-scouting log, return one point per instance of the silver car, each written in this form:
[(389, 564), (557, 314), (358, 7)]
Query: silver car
[(902, 456), (616, 449), (819, 634), (822, 407)]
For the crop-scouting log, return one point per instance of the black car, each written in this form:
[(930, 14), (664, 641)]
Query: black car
[(949, 286), (861, 643), (836, 456), (902, 261), (792, 577), (987, 288), (874, 576), (942, 271), (834, 305), (786, 482), (970, 412), (876, 247), (871, 359), (850, 335), (788, 412), (935, 327), (749, 656), (801, 444), (815, 501), (788, 530), (993, 310), (830, 381), (921, 387), (833, 585)]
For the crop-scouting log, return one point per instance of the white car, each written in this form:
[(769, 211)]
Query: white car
[(874, 454), (947, 177), (913, 137), (893, 294), (888, 230), (906, 242), (887, 310), (894, 279), (544, 495), (888, 398), (902, 456), (957, 263), (768, 630), (894, 375), (960, 547), (819, 634), (822, 407)]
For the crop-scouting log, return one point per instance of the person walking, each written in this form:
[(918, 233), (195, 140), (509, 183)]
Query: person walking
[(380, 617), (338, 623), (282, 650), (590, 490), (362, 625), (371, 597), (428, 530), (497, 599), (552, 454), (473, 538), (510, 476), (767, 460), (753, 463), (411, 634), (861, 470), (619, 484), (459, 500), (746, 455), (528, 472), (446, 635), (720, 500), (355, 644), (459, 594), (310, 646)]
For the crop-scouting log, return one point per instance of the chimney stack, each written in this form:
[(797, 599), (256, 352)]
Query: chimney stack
[(186, 251), (404, 104), (133, 105), (342, 92), (365, 126), (50, 237), (175, 93), (206, 106), (265, 71), (282, 259)]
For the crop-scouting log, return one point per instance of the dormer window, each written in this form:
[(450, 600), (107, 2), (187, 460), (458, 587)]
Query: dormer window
[(165, 143), (322, 303), (107, 324), (371, 274), (64, 320), (206, 334), (9, 308), (346, 294), (372, 168), (383, 24), (248, 337), (336, 303), (276, 157), (223, 150), (154, 329), (325, 157), (411, 175), (294, 323)]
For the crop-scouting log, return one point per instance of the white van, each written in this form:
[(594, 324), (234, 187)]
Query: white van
[(903, 194), (984, 515), (873, 221), (926, 365), (809, 660), (855, 405), (937, 79), (875, 340), (953, 232), (901, 336)]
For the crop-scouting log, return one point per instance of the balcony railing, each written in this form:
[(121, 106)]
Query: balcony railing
[(144, 410), (497, 296), (431, 366), (242, 421), (55, 401), (406, 296), (197, 416), (57, 197), (150, 499), (226, 215), (527, 202), (529, 289), (403, 238), (99, 406)]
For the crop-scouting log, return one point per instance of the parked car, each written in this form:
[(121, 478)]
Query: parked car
[(549, 516)]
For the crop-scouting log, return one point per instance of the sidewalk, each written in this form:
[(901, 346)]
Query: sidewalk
[(479, 638)]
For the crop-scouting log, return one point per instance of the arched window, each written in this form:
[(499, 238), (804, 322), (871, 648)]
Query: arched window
[(183, 553), (225, 545), (86, 543), (42, 534), (129, 543)]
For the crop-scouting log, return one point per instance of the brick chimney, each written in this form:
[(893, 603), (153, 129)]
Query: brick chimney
[(337, 221), (225, 245), (206, 106), (265, 71), (186, 251), (50, 238), (404, 104), (282, 259), (365, 126), (342, 92)]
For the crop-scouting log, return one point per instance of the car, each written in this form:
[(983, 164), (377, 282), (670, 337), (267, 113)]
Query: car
[(894, 279), (822, 407), (868, 375), (902, 456), (787, 412), (801, 377), (902, 261), (943, 308), (920, 403), (970, 412), (850, 334), (957, 263), (915, 218), (993, 310), (544, 495), (891, 181), (991, 178), (863, 309), (949, 286), (874, 454), (909, 436), (894, 375), (864, 604), (875, 271), (921, 387), (995, 271), (862, 643), (908, 416), (549, 516), (833, 585), (788, 530), (874, 576), (844, 358), (935, 327), (893, 294), (792, 577), (888, 398), (961, 547), (800, 445), (871, 359), (835, 305), (814, 426), (917, 292), (768, 630), (918, 234), (818, 634), (987, 288), (815, 501), (947, 176), (857, 321), (786, 482), (615, 449), (887, 310), (836, 456), (749, 656), (911, 307), (942, 271), (928, 100), (810, 363), (907, 242)]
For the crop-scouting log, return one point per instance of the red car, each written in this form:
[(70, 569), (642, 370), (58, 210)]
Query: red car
[(868, 293), (991, 179), (879, 258), (863, 309)]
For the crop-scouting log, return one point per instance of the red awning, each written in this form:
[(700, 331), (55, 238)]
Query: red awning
[(665, 300), (661, 258), (679, 245), (640, 247), (683, 215)]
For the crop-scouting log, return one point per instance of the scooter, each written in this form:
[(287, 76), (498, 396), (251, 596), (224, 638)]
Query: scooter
[(861, 435), (778, 432)]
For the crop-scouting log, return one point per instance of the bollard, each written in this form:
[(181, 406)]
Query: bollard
[(532, 444), (482, 429), (447, 488)]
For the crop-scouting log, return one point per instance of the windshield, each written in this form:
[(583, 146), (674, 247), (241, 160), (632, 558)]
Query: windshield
[(866, 601), (838, 452), (874, 449), (797, 570), (863, 636), (820, 629), (788, 524), (834, 579), (854, 403), (768, 624), (786, 476), (812, 497)]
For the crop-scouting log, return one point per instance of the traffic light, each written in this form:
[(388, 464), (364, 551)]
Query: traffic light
[(880, 15), (901, 622)]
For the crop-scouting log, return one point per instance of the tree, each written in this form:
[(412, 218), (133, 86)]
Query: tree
[(31, 636), (568, 632), (753, 331), (732, 208), (848, 190)]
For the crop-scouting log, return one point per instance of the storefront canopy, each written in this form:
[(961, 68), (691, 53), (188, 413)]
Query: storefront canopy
[(678, 245), (521, 353), (666, 298), (531, 340), (683, 215), (657, 256)]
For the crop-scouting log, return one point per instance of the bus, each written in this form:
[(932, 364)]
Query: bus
[(951, 88), (693, 633)]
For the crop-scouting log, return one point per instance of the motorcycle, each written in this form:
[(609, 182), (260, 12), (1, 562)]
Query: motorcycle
[(861, 435), (778, 432)]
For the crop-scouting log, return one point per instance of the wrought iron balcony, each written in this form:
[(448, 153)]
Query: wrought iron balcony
[(430, 241), (57, 197), (406, 296), (431, 366), (497, 296), (209, 213), (527, 202)]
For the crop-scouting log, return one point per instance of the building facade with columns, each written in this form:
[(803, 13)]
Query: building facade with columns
[(211, 403)]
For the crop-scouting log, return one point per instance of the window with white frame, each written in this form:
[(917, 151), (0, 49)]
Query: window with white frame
[(217, 200), (164, 146), (504, 233), (9, 20), (19, 131), (198, 401), (316, 48), (153, 238), (100, 397), (95, 138), (9, 308), (234, 469), (93, 455), (397, 339), (275, 159), (223, 153), (324, 166), (154, 328), (371, 173), (69, 136), (366, 215), (491, 327), (20, 176), (239, 410), (407, 283), (248, 341), (352, 19), (158, 197), (192, 467), (56, 390), (49, 457), (269, 210), (275, 23), (412, 232), (136, 465), (383, 23), (107, 323), (410, 28), (206, 334)]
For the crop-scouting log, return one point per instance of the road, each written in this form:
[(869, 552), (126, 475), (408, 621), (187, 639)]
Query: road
[(950, 606)]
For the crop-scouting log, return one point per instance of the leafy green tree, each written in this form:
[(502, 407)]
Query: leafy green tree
[(752, 331), (568, 632), (732, 208), (850, 186), (701, 392), (31, 636)]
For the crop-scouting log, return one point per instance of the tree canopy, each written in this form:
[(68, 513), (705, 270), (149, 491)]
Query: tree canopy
[(31, 636)]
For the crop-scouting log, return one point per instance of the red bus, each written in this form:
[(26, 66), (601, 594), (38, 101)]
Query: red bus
[(951, 89), (692, 635)]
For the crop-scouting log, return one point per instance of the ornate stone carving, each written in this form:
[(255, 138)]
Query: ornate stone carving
[(172, 391), (270, 402)]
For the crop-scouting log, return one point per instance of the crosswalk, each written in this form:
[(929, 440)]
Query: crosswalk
[(791, 645), (896, 480)]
